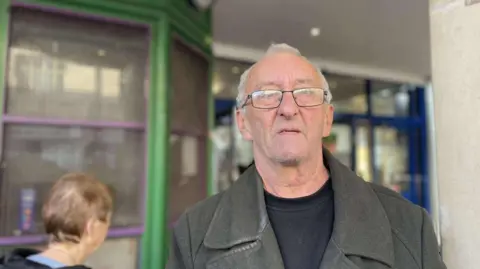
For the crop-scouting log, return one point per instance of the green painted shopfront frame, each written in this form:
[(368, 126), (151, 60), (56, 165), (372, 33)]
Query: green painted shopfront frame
[(165, 19)]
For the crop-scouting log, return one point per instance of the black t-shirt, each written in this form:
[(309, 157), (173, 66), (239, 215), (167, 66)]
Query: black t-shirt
[(302, 226)]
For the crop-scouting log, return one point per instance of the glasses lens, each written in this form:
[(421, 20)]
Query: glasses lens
[(266, 98), (309, 96)]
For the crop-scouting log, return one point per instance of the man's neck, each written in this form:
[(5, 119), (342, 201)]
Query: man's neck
[(292, 181)]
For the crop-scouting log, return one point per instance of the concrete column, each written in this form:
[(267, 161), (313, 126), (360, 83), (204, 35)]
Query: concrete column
[(455, 44)]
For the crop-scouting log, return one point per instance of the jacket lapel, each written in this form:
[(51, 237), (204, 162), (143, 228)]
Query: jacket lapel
[(361, 226), (240, 231), (335, 258)]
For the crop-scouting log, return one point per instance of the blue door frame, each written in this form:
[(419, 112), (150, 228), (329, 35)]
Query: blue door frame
[(414, 126)]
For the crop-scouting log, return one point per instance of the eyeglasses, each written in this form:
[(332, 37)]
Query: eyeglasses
[(304, 97)]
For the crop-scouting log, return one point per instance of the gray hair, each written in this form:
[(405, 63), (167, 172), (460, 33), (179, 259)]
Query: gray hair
[(275, 48)]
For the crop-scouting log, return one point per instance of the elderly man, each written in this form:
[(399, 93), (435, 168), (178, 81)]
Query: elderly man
[(298, 207)]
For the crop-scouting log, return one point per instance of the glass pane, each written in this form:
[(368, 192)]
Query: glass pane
[(340, 143), (223, 156), (7, 249), (35, 156), (391, 159), (226, 77), (363, 151), (72, 68), (118, 253), (188, 183), (189, 111), (348, 94), (390, 99)]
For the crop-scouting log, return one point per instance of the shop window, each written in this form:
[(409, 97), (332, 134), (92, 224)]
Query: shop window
[(391, 158), (348, 94), (54, 74), (189, 129), (188, 183), (390, 99), (190, 90), (118, 253), (75, 101), (226, 78)]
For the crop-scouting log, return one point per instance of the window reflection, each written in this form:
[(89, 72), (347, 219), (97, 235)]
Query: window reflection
[(363, 149), (348, 94), (34, 156), (79, 78), (226, 77), (36, 71), (355, 104), (30, 69), (390, 99), (111, 79), (340, 143), (391, 153), (94, 75)]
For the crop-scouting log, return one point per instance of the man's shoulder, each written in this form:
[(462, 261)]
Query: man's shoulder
[(196, 219), (390, 196), (205, 207), (405, 217)]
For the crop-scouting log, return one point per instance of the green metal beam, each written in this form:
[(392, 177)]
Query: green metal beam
[(154, 250), (211, 126), (123, 10), (193, 24), (4, 29)]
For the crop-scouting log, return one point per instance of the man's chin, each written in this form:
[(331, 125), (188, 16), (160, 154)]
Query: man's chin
[(289, 159)]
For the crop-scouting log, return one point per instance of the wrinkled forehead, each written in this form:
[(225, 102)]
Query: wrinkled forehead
[(285, 71)]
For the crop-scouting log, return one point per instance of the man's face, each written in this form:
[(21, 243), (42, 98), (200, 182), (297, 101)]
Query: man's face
[(287, 134)]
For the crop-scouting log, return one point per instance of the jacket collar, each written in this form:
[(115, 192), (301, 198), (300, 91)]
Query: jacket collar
[(241, 215), (361, 226)]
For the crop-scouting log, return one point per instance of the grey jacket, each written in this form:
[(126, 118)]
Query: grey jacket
[(374, 228)]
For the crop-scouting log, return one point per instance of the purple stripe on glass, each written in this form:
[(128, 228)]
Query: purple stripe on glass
[(52, 9), (80, 123), (41, 239), (125, 232), (22, 240)]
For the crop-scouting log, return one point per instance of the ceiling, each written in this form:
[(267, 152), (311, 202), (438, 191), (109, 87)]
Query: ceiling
[(374, 36)]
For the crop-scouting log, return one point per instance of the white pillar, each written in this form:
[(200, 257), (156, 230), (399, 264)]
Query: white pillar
[(455, 44)]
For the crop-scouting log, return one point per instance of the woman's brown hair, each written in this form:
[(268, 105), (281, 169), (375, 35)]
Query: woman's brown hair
[(74, 199)]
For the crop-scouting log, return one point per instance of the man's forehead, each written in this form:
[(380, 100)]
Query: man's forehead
[(275, 68), (259, 83)]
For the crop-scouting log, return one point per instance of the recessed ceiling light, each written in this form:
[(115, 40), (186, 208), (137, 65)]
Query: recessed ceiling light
[(235, 70), (315, 31)]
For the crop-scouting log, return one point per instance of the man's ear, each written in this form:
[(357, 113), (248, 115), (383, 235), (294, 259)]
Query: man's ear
[(328, 121), (242, 124)]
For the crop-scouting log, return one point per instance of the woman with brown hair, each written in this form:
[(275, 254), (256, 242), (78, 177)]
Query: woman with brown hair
[(76, 216)]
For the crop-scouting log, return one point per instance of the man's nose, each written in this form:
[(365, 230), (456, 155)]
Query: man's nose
[(288, 107)]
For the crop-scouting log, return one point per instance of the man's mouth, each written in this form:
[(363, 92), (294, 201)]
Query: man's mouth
[(289, 131)]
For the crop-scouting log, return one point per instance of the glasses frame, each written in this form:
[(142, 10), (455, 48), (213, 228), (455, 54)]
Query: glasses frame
[(249, 97)]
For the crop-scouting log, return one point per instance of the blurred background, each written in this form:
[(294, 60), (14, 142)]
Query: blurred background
[(142, 94)]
